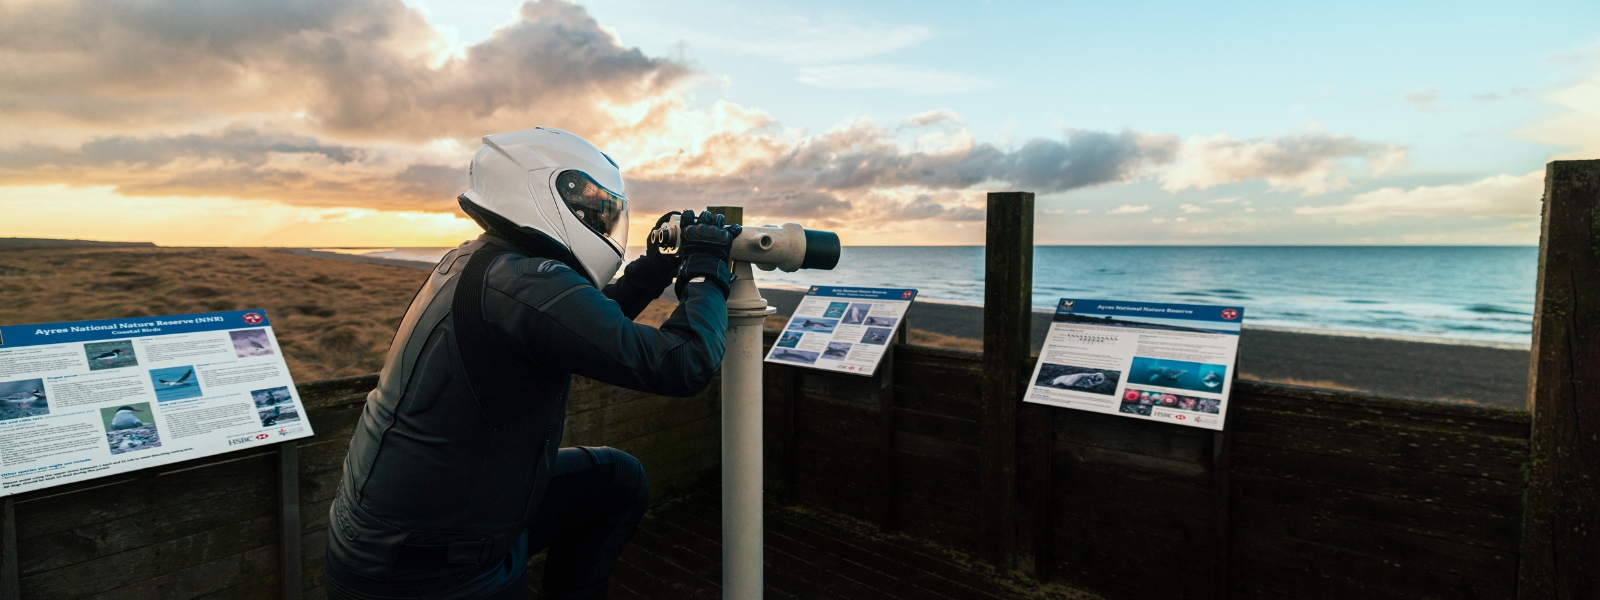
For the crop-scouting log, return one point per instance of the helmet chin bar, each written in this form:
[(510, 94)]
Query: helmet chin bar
[(789, 247)]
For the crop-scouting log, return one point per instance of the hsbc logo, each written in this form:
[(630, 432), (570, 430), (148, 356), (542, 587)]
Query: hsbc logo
[(247, 439)]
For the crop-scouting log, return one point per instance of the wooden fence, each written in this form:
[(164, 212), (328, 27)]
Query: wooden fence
[(212, 527), (1309, 494), (1326, 494)]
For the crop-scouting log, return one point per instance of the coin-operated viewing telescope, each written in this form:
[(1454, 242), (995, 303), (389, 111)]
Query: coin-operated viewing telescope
[(789, 247)]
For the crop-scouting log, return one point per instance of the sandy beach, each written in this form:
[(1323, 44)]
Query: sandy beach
[(335, 315)]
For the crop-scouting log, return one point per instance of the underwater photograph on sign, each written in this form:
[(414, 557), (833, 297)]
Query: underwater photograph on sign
[(845, 329), (1143, 360), (89, 399)]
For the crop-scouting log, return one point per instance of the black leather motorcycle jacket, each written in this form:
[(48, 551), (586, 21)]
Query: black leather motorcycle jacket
[(453, 449)]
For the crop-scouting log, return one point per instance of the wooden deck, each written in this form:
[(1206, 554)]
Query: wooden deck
[(811, 553)]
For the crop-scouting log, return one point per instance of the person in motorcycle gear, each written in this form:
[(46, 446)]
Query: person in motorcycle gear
[(455, 473)]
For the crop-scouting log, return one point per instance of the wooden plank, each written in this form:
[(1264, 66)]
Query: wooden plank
[(953, 454), (1221, 511), (1561, 546), (289, 519), (939, 471), (335, 394), (1393, 545), (1354, 407), (1042, 423), (1133, 436), (664, 413), (10, 573), (938, 402), (1469, 494), (249, 574), (126, 568), (1007, 327), (96, 540), (811, 425), (1471, 455), (1136, 489), (790, 405), (155, 489), (1118, 563), (644, 407), (1476, 527), (73, 504), (856, 412), (886, 432), (960, 431), (1363, 575)]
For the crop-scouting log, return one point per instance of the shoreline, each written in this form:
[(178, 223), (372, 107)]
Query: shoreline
[(1389, 365)]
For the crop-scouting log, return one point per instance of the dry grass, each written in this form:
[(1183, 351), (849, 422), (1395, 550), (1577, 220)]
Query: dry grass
[(333, 318)]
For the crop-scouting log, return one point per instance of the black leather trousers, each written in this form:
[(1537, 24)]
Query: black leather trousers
[(590, 511)]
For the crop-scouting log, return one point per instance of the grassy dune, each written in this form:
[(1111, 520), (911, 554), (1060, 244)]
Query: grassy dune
[(333, 318)]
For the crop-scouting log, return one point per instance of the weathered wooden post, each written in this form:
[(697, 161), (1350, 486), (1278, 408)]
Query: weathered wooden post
[(10, 577), (289, 518), (1561, 522), (1007, 327)]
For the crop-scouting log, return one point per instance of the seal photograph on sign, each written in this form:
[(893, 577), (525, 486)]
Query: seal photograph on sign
[(1079, 379)]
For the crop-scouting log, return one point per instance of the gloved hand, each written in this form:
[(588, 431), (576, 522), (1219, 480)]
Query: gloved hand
[(654, 270), (704, 243), (706, 234), (652, 252)]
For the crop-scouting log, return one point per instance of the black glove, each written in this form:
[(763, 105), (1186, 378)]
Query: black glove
[(707, 234), (654, 265), (704, 243), (652, 252)]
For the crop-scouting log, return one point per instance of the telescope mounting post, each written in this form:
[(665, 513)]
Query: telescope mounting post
[(742, 523)]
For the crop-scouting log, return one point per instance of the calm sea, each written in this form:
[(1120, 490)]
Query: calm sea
[(1468, 294)]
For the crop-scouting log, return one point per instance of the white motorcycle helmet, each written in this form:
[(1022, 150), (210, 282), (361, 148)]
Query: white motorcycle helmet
[(554, 195)]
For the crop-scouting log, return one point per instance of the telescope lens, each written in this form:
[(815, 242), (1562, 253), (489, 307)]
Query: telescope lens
[(822, 250)]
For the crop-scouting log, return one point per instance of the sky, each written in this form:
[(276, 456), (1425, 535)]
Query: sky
[(351, 122)]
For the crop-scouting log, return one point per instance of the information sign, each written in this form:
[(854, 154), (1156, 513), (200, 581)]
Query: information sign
[(88, 399), (1163, 362), (846, 329)]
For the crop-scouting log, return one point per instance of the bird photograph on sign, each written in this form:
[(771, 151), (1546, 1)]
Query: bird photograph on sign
[(23, 398), (110, 355), (250, 342), (175, 383), (275, 406), (130, 427)]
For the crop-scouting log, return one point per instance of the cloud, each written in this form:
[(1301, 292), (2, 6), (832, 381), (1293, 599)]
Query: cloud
[(1576, 125), (356, 69), (1498, 196), (1128, 209), (830, 173), (360, 105), (1190, 208), (897, 78), (1314, 163), (1426, 99)]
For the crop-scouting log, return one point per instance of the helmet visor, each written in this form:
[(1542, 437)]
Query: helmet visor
[(600, 210)]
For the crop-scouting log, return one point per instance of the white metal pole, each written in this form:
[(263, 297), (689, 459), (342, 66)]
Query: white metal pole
[(741, 440)]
